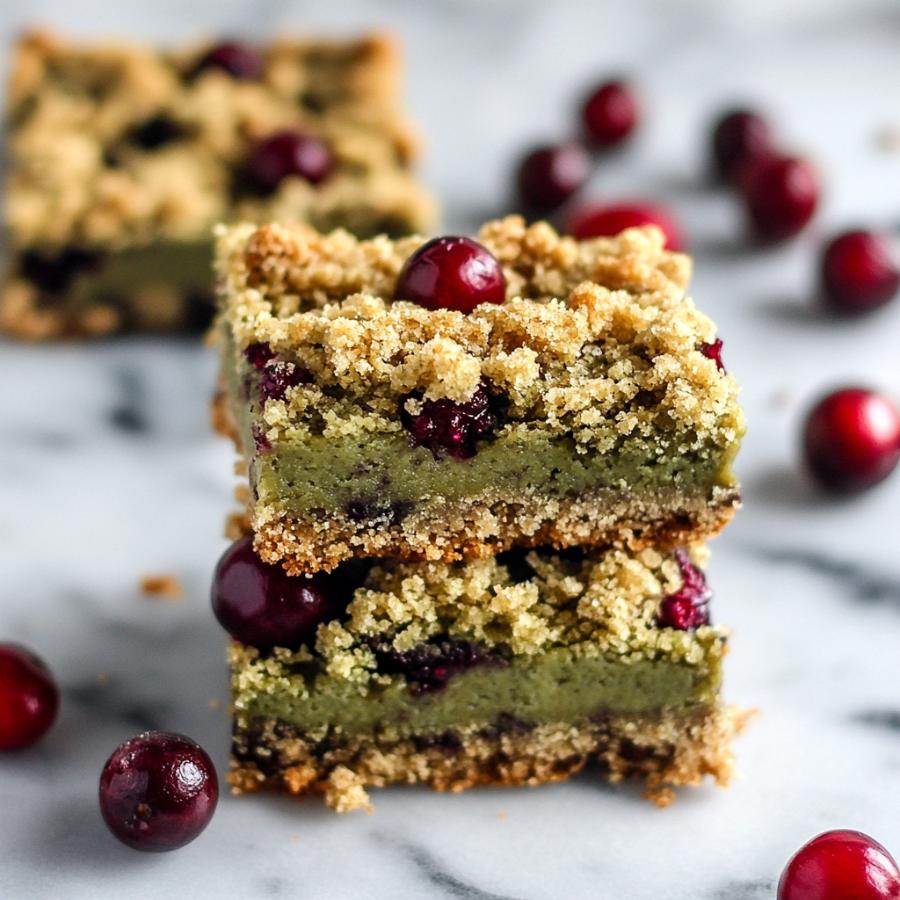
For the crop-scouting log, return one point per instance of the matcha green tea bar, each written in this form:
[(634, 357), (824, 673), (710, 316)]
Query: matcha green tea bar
[(121, 157), (575, 396), (518, 669)]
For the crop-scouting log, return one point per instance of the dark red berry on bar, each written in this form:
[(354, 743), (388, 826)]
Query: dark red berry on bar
[(781, 194), (859, 272), (451, 273), (276, 377), (448, 427), (261, 605), (688, 607), (285, 154), (851, 440), (29, 698), (610, 114), (608, 219), (548, 176), (841, 865), (258, 354), (158, 791), (241, 61), (739, 137), (713, 351)]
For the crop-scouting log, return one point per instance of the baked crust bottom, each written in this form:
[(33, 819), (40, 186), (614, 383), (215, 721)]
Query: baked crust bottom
[(483, 526), (666, 750)]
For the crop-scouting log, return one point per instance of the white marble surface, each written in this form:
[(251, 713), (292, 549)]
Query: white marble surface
[(108, 471)]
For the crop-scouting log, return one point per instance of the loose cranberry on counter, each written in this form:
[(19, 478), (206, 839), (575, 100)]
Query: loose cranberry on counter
[(688, 607), (610, 113), (739, 137), (261, 605), (781, 194), (158, 791), (840, 865), (241, 61), (445, 426), (859, 272), (607, 220), (451, 273), (548, 176), (287, 153), (851, 439), (29, 698)]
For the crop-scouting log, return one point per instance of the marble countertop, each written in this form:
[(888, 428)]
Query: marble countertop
[(108, 472)]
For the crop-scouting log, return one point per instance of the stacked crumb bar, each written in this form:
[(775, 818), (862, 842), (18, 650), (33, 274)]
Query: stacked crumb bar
[(122, 157), (507, 508)]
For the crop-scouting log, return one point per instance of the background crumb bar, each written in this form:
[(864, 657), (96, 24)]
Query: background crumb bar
[(122, 157)]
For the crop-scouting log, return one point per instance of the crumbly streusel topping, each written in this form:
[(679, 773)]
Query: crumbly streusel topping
[(593, 336), (606, 603), (77, 178)]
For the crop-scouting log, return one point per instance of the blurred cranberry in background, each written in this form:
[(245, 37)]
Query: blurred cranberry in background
[(781, 194), (859, 272), (550, 175), (738, 137), (602, 220), (610, 113)]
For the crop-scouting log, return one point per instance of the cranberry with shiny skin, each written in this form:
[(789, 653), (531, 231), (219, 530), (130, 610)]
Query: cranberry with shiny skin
[(158, 791), (261, 605), (29, 698), (739, 137), (840, 865), (548, 176), (241, 61), (285, 154), (610, 113), (688, 607), (451, 273), (607, 220), (781, 194), (859, 272), (851, 440)]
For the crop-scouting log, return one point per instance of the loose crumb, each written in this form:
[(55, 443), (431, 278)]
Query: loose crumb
[(166, 586)]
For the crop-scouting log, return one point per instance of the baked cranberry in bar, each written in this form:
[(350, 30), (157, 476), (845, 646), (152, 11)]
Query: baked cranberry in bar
[(121, 157), (454, 398), (518, 669)]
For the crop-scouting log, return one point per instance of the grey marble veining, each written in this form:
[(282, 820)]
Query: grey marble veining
[(108, 471)]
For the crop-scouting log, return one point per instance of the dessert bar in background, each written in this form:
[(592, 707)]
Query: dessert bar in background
[(588, 406), (121, 158)]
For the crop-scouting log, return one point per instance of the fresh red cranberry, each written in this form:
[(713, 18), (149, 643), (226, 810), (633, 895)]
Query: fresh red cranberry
[(158, 791), (738, 137), (607, 220), (840, 865), (445, 426), (451, 273), (258, 354), (277, 377), (29, 698), (610, 113), (859, 272), (261, 605), (241, 61), (688, 607), (851, 439), (781, 194), (284, 154), (548, 176), (713, 351)]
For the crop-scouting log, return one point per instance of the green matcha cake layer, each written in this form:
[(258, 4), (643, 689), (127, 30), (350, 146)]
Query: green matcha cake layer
[(601, 413), (123, 154)]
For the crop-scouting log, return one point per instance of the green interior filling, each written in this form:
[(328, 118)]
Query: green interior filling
[(558, 686)]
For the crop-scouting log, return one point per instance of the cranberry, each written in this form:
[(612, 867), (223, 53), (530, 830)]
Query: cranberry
[(548, 176), (610, 113), (840, 865), (241, 61), (261, 605), (284, 154), (451, 273), (781, 194), (739, 137), (713, 351), (602, 220), (858, 272), (29, 698), (688, 607), (258, 354), (447, 426), (277, 377), (158, 791), (851, 439)]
